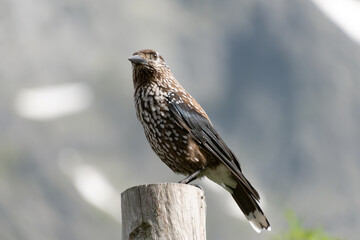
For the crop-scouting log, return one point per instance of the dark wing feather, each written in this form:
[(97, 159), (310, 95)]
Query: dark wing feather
[(202, 131)]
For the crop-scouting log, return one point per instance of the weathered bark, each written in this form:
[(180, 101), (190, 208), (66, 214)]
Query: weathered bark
[(163, 211)]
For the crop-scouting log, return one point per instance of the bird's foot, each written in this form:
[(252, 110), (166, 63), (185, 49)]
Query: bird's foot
[(191, 177), (198, 186)]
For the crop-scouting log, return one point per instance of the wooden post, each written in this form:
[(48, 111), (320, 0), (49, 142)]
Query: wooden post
[(163, 211)]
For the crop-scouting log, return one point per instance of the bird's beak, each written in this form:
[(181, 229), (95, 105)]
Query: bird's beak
[(136, 59)]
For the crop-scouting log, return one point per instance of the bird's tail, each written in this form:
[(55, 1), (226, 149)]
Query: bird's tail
[(250, 208)]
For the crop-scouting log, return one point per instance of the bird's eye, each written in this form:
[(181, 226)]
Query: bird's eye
[(155, 56)]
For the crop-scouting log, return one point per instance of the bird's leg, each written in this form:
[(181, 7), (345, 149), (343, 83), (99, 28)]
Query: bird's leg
[(191, 177)]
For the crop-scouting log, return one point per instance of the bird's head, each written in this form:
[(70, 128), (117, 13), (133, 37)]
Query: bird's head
[(147, 64)]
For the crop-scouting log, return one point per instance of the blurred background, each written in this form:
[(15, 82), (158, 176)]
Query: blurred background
[(279, 79)]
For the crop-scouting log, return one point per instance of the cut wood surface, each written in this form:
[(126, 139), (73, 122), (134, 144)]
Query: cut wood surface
[(163, 211)]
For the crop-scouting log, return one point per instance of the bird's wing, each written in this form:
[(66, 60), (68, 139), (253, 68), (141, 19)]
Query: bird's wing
[(202, 131)]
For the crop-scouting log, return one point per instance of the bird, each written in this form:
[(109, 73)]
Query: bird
[(182, 135)]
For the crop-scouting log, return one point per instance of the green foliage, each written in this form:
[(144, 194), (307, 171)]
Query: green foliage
[(297, 232)]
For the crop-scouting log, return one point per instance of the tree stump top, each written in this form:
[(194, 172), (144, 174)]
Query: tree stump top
[(163, 211)]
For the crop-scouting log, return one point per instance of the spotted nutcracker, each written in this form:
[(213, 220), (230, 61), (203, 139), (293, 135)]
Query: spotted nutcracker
[(182, 135)]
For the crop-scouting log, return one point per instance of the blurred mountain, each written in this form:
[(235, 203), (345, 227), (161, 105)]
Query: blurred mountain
[(278, 79)]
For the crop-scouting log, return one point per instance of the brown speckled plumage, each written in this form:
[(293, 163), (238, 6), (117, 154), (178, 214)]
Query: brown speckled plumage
[(181, 134)]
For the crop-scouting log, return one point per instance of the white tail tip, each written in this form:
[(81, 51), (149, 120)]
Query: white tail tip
[(258, 221)]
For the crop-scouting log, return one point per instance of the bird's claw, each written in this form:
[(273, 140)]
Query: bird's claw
[(198, 186)]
